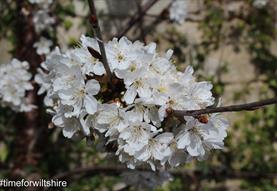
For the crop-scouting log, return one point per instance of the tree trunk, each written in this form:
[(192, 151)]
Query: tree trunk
[(27, 125)]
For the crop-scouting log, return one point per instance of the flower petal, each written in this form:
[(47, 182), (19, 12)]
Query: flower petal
[(90, 104), (130, 95), (92, 87)]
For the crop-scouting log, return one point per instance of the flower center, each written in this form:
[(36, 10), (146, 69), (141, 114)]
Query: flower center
[(162, 89), (133, 67), (137, 83), (171, 102), (195, 130), (120, 57)]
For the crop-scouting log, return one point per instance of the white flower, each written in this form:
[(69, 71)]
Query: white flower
[(156, 149), (69, 125), (198, 138), (81, 96), (178, 11), (43, 46), (148, 113), (136, 135), (42, 79), (133, 118), (139, 87), (91, 65), (121, 53), (177, 156), (110, 119), (170, 97), (161, 65), (14, 83), (67, 77), (199, 95), (123, 157), (260, 3), (135, 69), (42, 20)]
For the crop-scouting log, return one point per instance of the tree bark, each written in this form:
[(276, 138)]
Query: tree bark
[(27, 125)]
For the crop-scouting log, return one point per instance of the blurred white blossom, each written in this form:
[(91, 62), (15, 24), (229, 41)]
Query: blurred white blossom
[(43, 46), (42, 20), (146, 179), (178, 11), (14, 83), (42, 3), (260, 3)]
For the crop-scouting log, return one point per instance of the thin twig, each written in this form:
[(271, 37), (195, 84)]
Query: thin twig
[(137, 18), (97, 33), (231, 108), (142, 32)]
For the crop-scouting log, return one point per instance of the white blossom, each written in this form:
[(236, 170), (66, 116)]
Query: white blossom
[(260, 3), (110, 119), (136, 135), (198, 138), (121, 53), (43, 46), (14, 83), (178, 11), (81, 97), (42, 20), (132, 117), (156, 149)]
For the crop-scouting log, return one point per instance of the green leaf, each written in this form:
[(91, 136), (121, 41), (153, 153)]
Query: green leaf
[(3, 152)]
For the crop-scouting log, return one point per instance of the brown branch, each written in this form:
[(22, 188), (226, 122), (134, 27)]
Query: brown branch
[(113, 170), (30, 136), (137, 18), (97, 32), (231, 108), (141, 22)]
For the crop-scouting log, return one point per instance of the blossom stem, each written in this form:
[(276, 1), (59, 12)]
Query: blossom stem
[(97, 33), (231, 108)]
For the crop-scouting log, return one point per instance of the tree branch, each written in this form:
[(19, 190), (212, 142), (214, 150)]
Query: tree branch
[(118, 169), (141, 22), (137, 18), (231, 108), (98, 35)]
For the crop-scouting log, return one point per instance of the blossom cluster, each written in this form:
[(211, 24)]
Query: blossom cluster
[(14, 84), (43, 21), (134, 116), (178, 11)]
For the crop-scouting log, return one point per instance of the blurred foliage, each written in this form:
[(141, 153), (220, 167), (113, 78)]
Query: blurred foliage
[(251, 145)]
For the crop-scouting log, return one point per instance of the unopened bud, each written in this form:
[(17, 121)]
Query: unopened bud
[(203, 119), (169, 111)]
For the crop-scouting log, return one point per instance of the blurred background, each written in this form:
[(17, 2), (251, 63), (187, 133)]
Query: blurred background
[(231, 43)]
